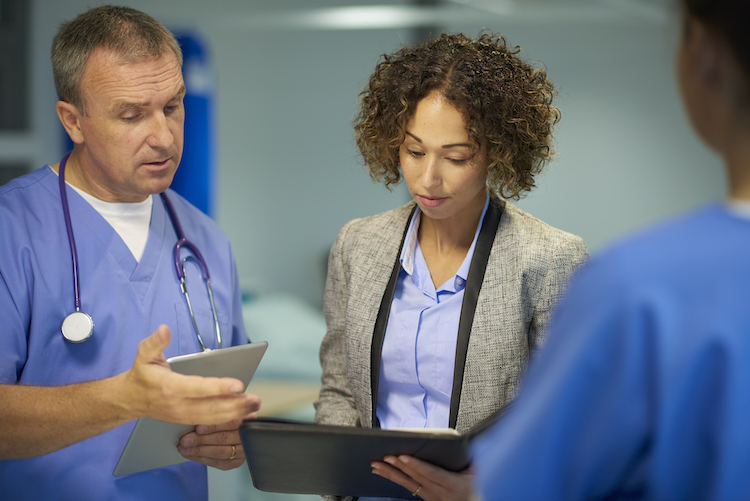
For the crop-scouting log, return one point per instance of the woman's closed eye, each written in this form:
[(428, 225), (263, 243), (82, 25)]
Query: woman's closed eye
[(458, 161)]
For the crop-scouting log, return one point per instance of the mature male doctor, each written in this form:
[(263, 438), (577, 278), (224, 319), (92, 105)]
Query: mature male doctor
[(68, 399)]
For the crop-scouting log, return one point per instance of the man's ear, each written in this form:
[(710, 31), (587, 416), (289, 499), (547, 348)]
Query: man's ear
[(70, 117)]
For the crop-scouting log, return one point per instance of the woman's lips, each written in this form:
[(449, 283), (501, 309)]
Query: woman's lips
[(431, 201)]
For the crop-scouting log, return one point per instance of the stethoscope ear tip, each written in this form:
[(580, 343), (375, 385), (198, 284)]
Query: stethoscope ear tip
[(77, 327)]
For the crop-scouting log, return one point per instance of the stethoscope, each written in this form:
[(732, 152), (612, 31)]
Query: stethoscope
[(78, 326)]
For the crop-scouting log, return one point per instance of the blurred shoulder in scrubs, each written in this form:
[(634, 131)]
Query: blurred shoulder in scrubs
[(642, 389)]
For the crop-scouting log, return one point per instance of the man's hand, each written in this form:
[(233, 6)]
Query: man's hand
[(150, 388), (217, 445), (424, 480), (38, 420)]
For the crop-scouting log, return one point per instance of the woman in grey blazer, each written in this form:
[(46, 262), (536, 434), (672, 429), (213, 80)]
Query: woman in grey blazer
[(433, 308)]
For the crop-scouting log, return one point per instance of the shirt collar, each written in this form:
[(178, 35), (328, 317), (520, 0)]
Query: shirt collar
[(739, 208)]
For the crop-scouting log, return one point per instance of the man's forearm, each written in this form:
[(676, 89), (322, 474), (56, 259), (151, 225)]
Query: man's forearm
[(39, 420)]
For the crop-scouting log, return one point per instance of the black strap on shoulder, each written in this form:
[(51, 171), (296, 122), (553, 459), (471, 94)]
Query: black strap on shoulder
[(378, 334), (471, 295)]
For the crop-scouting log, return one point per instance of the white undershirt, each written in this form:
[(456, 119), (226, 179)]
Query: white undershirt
[(130, 220), (739, 207)]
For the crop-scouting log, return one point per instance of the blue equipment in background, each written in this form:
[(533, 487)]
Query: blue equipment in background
[(195, 178)]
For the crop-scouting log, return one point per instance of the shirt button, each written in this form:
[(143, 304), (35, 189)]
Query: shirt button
[(459, 281)]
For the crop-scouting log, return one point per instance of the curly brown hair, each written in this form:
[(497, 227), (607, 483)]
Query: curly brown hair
[(507, 105)]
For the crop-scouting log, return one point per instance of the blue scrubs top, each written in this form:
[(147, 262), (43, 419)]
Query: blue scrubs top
[(127, 299), (642, 390)]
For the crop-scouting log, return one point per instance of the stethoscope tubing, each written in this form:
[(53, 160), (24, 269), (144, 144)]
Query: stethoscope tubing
[(69, 228), (181, 241), (180, 269)]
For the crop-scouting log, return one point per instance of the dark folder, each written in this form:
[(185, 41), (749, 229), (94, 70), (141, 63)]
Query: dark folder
[(307, 458)]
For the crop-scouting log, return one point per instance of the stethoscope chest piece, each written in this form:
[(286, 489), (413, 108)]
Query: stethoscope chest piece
[(78, 327)]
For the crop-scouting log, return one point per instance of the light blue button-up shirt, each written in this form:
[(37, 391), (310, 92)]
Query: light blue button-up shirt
[(419, 350)]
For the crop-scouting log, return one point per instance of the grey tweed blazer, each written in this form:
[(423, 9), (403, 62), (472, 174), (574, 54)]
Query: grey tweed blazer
[(529, 266)]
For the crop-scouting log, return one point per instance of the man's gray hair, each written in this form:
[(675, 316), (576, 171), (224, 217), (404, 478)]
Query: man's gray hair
[(130, 34)]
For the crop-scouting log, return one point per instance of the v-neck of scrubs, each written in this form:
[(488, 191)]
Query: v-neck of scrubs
[(85, 218)]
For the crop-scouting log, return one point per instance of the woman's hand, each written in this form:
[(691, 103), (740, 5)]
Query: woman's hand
[(424, 480)]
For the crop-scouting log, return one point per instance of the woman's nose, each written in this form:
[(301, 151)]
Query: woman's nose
[(432, 176)]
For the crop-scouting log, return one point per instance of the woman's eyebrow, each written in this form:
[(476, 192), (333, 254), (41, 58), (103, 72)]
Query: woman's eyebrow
[(454, 145)]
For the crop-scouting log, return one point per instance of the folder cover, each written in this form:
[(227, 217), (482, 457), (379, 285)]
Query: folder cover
[(308, 458)]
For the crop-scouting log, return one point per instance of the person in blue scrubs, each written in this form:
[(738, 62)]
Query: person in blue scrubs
[(643, 389), (68, 408), (433, 308)]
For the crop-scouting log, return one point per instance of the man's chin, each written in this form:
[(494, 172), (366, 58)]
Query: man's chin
[(160, 181)]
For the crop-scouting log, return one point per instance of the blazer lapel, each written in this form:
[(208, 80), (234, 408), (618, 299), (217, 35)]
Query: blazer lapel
[(378, 335), (372, 263), (474, 281)]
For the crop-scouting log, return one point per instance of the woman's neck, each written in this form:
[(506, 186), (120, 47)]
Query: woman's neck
[(445, 236)]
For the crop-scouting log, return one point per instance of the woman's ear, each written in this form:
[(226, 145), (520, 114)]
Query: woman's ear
[(70, 117)]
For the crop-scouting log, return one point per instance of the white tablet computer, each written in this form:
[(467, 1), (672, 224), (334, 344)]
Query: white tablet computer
[(153, 443)]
